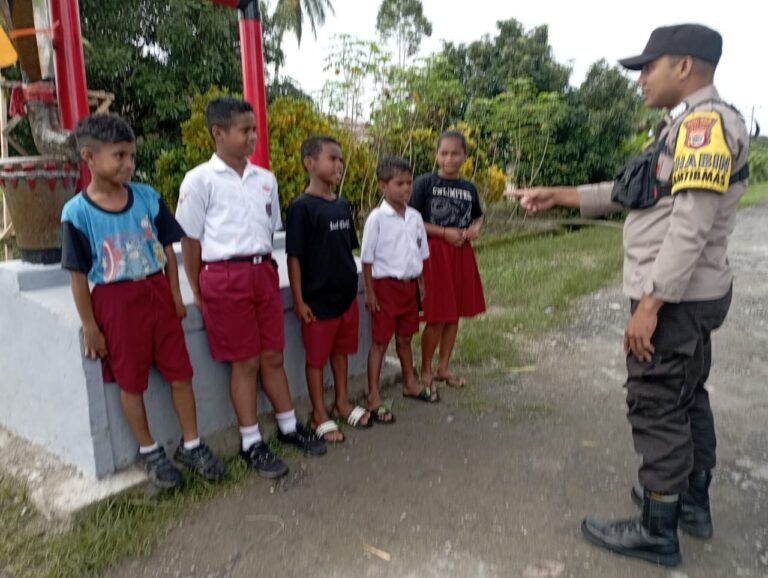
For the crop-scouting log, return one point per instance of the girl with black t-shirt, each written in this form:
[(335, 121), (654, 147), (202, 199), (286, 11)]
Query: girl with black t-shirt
[(452, 217)]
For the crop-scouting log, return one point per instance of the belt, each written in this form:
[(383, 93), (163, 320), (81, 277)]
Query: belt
[(254, 259), (411, 280)]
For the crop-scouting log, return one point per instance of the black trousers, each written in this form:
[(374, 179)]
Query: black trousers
[(668, 405)]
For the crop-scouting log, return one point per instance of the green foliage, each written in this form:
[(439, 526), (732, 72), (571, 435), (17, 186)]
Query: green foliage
[(155, 56), (758, 160), (290, 122), (486, 67), (405, 21)]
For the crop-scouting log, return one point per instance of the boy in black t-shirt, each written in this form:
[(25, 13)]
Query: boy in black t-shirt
[(320, 237)]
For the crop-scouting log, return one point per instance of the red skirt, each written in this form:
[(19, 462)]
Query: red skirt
[(452, 283)]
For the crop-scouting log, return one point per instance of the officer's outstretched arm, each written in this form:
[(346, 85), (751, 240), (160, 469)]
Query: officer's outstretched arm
[(544, 198)]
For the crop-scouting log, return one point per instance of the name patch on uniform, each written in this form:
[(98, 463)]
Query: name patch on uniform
[(702, 157)]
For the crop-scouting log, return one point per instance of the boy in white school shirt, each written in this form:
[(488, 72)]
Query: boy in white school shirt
[(229, 210), (393, 252)]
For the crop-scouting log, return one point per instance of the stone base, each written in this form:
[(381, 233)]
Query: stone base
[(55, 398)]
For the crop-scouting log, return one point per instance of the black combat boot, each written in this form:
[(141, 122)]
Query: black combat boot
[(652, 537), (695, 515)]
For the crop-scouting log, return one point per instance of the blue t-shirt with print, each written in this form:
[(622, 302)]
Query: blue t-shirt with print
[(111, 246)]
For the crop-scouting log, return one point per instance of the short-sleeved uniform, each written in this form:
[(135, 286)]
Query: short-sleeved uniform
[(451, 278), (676, 251), (321, 234), (396, 247), (122, 253), (235, 217)]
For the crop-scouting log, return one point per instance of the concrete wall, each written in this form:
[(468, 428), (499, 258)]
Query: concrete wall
[(52, 396)]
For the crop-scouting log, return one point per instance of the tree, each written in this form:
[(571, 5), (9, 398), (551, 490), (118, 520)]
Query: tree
[(289, 15), (486, 67), (154, 56), (405, 21)]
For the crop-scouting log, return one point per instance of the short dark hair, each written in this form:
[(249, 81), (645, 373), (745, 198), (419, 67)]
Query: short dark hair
[(455, 135), (102, 128), (222, 109), (313, 146), (389, 167)]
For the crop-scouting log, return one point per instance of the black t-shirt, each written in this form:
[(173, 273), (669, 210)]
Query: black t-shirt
[(446, 202), (321, 233)]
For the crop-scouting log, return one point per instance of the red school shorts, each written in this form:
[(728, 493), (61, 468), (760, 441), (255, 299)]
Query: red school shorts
[(139, 321), (242, 309), (398, 309), (339, 336), (452, 283)]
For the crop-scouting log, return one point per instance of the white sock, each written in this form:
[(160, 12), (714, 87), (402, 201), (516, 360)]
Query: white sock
[(286, 421), (148, 449), (192, 444), (251, 435)]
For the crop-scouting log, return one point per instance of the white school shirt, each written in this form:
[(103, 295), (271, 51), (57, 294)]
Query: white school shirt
[(231, 216), (396, 246)]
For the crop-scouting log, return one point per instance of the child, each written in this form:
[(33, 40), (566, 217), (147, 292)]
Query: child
[(452, 216), (229, 210), (119, 235), (320, 237), (394, 249)]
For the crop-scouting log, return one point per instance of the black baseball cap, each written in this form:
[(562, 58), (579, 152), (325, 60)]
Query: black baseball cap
[(679, 40)]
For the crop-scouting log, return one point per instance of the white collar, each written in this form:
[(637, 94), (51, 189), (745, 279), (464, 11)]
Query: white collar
[(218, 165)]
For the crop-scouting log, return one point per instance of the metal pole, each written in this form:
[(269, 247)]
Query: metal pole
[(254, 85), (69, 67), (4, 154)]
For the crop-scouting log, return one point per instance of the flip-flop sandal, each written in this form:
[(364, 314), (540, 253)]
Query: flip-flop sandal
[(328, 427), (453, 381), (424, 395), (379, 415), (354, 418)]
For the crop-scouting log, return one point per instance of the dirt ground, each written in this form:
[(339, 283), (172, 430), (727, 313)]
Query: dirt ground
[(494, 481)]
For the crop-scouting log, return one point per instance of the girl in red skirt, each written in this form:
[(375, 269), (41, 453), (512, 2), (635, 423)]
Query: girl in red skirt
[(450, 207)]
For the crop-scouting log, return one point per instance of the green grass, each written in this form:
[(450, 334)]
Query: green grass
[(530, 285), (122, 527), (531, 279), (755, 195)]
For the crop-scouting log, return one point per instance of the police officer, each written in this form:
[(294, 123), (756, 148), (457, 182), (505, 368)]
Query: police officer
[(682, 193)]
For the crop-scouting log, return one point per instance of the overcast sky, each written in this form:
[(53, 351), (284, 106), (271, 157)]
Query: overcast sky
[(580, 33)]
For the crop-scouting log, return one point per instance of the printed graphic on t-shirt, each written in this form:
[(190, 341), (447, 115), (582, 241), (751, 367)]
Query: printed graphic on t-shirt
[(129, 254), (451, 205)]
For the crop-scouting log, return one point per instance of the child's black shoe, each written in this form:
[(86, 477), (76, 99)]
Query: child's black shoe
[(303, 439), (161, 470), (266, 464), (201, 461)]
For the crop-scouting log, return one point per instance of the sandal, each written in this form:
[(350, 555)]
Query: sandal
[(355, 416), (383, 415), (452, 380), (424, 395), (328, 427)]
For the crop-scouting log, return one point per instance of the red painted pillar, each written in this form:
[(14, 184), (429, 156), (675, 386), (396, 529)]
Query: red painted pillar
[(254, 87), (69, 65), (69, 68)]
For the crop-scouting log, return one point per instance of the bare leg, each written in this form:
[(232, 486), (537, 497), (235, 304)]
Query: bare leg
[(319, 415), (411, 385), (342, 407), (375, 359), (184, 405), (133, 408), (430, 339), (242, 389), (275, 382), (447, 341)]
